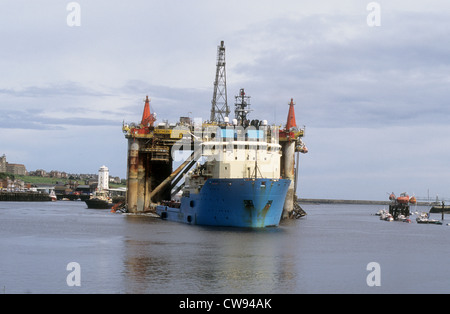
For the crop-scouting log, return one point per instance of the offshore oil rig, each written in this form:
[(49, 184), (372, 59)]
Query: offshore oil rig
[(151, 179)]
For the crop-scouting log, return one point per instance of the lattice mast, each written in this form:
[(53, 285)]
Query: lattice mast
[(219, 108)]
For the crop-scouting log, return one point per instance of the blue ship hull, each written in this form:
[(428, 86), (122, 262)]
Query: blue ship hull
[(251, 203)]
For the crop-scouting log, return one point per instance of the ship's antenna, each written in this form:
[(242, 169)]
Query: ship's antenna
[(242, 107), (219, 109)]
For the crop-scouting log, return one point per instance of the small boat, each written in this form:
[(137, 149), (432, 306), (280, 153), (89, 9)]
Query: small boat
[(403, 198), (392, 197), (100, 200), (386, 216), (119, 208), (428, 221), (403, 218), (97, 203), (439, 208), (424, 218), (53, 196)]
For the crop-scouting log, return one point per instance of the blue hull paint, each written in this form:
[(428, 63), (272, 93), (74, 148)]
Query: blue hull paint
[(252, 203)]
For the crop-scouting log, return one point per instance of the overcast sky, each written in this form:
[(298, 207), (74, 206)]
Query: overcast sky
[(374, 99)]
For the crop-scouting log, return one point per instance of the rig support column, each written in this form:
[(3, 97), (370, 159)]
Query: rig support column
[(289, 173), (132, 179), (141, 184), (291, 143)]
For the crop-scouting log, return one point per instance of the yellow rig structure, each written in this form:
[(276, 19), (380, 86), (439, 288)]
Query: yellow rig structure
[(150, 175)]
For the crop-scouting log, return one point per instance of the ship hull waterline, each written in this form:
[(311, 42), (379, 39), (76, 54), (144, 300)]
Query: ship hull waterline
[(248, 203)]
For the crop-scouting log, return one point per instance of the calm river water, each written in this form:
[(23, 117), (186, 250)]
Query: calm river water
[(328, 251)]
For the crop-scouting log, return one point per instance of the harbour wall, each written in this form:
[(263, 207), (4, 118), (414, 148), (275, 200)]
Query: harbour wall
[(24, 197), (360, 202)]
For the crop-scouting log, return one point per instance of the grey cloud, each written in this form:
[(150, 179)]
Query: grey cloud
[(169, 101), (20, 119), (67, 88), (395, 74)]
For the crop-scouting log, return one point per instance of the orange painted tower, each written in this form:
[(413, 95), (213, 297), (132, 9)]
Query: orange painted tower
[(147, 117), (291, 116)]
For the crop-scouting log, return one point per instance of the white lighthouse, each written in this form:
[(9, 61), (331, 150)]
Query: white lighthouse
[(103, 178)]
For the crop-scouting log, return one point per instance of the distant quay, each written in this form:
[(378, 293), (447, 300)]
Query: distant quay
[(24, 197), (359, 202)]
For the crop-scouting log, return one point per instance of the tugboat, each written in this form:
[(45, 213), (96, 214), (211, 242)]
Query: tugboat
[(100, 200)]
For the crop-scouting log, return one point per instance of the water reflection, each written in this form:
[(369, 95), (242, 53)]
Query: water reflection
[(325, 253), (166, 257)]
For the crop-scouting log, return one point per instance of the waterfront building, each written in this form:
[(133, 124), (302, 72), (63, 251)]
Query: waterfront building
[(15, 169), (103, 178), (3, 164)]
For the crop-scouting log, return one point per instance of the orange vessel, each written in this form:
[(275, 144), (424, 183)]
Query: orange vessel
[(403, 198)]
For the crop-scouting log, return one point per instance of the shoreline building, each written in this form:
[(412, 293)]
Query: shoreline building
[(15, 169), (3, 164), (103, 178)]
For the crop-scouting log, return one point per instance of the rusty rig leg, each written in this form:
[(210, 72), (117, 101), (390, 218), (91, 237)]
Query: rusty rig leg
[(147, 188), (141, 183), (288, 163), (132, 175)]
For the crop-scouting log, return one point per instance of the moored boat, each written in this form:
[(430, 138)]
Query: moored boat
[(100, 200), (53, 195), (424, 218)]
